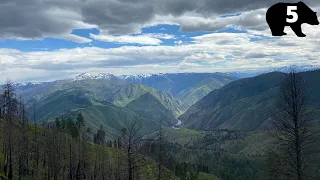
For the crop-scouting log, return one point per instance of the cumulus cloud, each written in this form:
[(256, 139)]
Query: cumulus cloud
[(208, 53), (178, 42), (254, 20), (161, 35)]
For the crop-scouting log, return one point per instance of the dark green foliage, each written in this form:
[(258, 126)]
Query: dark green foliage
[(275, 167), (80, 121), (66, 125), (100, 137), (186, 163)]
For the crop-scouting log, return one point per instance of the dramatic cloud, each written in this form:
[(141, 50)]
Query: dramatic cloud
[(254, 20), (34, 19), (207, 53)]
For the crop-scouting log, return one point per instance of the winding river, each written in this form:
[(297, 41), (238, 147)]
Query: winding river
[(176, 126)]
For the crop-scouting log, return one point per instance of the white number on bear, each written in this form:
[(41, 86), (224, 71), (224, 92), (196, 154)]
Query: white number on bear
[(290, 12)]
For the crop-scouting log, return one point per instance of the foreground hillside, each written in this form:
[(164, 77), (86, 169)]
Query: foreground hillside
[(44, 153), (226, 154), (246, 104)]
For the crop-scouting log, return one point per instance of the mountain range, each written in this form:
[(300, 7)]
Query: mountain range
[(111, 101), (202, 101), (187, 87), (104, 102)]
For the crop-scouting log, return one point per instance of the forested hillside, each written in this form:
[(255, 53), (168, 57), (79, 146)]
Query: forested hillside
[(246, 104)]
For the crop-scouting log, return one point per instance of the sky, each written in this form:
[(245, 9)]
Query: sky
[(44, 40)]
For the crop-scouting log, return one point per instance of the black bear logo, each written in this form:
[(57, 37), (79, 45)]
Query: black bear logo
[(290, 14)]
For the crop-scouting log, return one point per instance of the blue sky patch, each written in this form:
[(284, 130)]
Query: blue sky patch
[(52, 44)]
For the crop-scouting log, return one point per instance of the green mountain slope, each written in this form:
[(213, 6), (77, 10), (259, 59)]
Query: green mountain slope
[(102, 88), (60, 102), (149, 107), (245, 104), (96, 113), (74, 100), (194, 93), (103, 103), (113, 119), (114, 90), (188, 87), (130, 92)]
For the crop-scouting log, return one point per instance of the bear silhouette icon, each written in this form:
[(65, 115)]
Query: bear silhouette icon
[(290, 14)]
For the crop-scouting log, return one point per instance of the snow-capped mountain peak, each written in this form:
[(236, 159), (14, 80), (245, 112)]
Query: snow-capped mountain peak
[(137, 76), (145, 76), (27, 83), (93, 75)]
